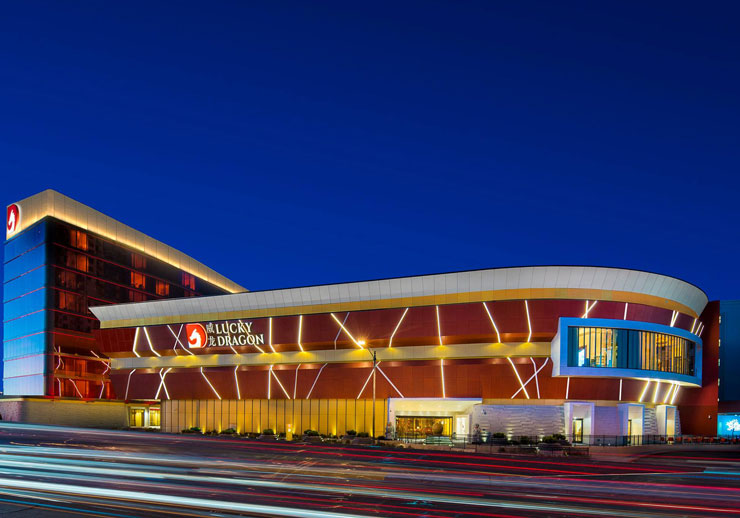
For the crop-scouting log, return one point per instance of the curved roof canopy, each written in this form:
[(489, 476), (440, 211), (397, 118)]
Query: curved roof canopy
[(532, 282)]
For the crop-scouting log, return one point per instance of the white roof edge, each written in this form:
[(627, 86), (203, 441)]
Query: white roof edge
[(57, 205), (557, 278)]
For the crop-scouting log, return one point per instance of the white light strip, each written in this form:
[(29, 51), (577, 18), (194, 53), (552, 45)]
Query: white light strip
[(442, 368), (589, 308), (498, 336), (177, 339), (674, 317), (644, 391), (529, 324), (279, 382), (536, 379), (317, 379), (269, 335), (128, 383), (675, 393), (102, 388), (366, 382), (78, 390), (693, 325), (531, 377), (269, 382), (389, 380), (209, 383), (655, 392), (668, 393), (620, 389), (517, 377), (390, 342), (146, 333), (346, 331), (136, 339), (339, 331), (295, 387), (236, 382), (439, 327), (626, 305), (162, 383), (567, 388)]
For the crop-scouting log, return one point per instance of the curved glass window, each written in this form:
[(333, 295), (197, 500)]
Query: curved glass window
[(630, 349)]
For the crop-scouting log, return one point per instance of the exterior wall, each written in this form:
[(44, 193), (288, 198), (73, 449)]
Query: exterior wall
[(698, 408), (53, 272), (729, 356), (516, 420), (327, 416), (97, 414)]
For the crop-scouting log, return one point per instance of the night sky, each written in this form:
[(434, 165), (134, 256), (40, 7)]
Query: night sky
[(287, 144)]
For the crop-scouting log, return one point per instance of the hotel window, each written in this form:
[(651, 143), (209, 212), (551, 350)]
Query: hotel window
[(78, 239), (138, 262), (138, 280), (628, 348), (188, 281), (162, 288), (77, 261)]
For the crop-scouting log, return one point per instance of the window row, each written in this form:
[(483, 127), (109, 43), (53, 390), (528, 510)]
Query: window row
[(630, 349)]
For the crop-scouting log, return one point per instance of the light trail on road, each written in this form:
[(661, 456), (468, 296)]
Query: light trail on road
[(95, 473)]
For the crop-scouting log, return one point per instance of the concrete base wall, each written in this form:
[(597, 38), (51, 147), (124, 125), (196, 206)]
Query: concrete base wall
[(92, 414)]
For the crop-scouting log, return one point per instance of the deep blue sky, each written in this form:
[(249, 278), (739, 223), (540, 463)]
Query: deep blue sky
[(289, 144)]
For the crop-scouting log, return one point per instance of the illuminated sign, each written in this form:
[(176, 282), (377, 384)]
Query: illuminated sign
[(196, 334), (13, 220), (224, 334), (733, 425)]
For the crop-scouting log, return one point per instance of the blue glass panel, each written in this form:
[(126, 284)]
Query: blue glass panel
[(26, 366), (24, 305), (28, 325), (24, 284), (25, 386), (25, 263), (24, 241), (34, 344)]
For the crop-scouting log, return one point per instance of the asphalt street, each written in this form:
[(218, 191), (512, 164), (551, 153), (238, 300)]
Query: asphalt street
[(49, 471)]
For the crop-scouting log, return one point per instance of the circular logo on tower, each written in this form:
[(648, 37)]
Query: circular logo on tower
[(13, 220), (197, 335)]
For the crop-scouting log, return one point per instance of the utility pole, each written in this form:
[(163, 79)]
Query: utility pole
[(374, 362)]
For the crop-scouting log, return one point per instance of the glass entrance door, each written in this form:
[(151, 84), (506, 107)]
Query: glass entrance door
[(578, 430), (629, 431)]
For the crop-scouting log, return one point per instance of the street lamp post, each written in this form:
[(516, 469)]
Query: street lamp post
[(374, 362)]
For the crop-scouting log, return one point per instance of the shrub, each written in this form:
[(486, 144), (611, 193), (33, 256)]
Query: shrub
[(549, 439), (363, 434), (228, 431), (195, 429), (268, 431), (558, 436), (351, 432), (499, 435), (525, 440), (311, 433)]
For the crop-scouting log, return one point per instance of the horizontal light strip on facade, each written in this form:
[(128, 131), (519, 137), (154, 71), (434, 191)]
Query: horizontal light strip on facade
[(410, 353)]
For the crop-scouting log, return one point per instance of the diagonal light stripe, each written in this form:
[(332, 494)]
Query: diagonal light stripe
[(589, 308), (536, 379), (127, 384), (300, 330), (531, 377), (146, 333), (439, 327), (519, 378), (317, 379), (269, 335), (498, 336), (279, 382), (339, 331), (295, 387), (136, 340), (529, 324), (644, 392), (389, 380), (390, 342), (366, 381), (209, 383), (346, 331), (442, 371), (236, 382)]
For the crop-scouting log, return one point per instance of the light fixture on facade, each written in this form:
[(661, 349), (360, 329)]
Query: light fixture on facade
[(490, 317)]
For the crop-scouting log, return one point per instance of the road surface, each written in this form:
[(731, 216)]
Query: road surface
[(49, 471)]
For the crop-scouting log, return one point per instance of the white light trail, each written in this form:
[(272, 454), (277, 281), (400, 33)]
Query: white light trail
[(390, 342)]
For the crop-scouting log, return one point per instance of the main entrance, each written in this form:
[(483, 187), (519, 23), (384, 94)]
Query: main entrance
[(422, 426)]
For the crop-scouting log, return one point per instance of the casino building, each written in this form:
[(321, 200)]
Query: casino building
[(584, 351)]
